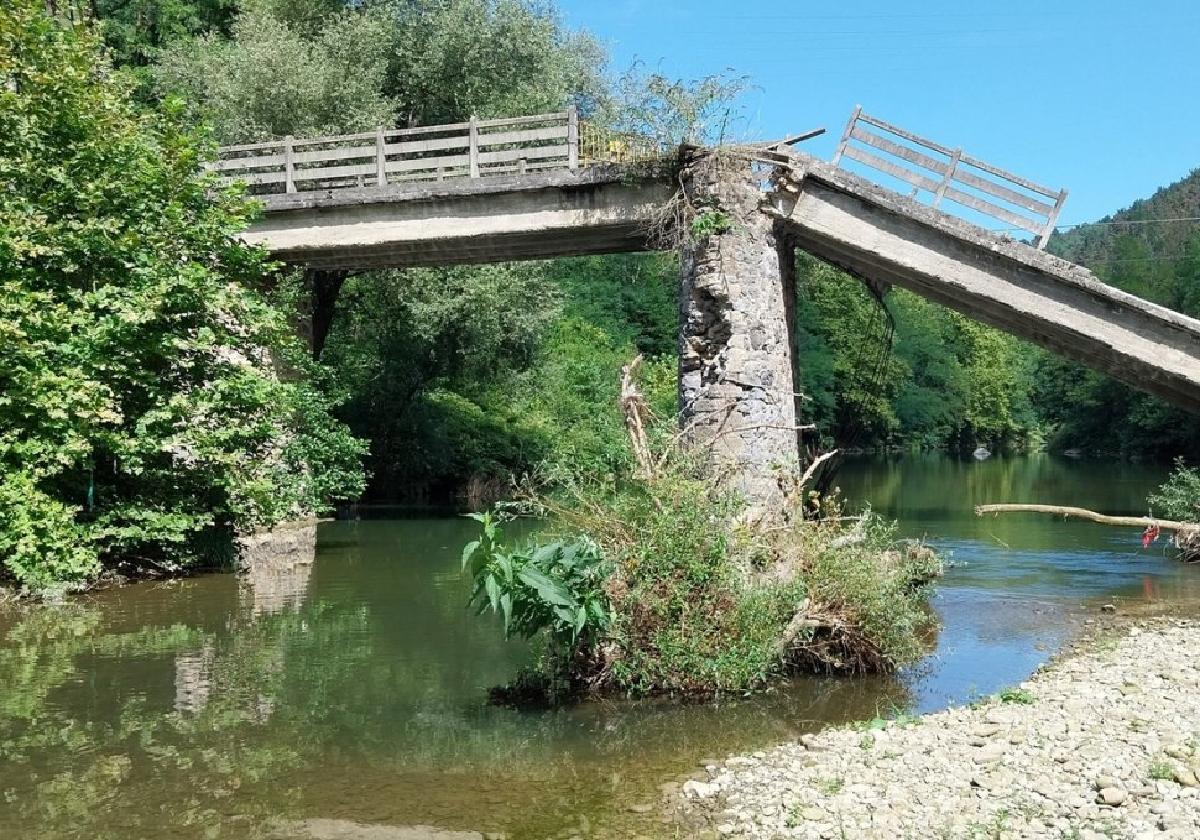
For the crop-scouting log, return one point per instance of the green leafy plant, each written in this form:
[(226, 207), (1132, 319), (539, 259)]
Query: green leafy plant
[(1161, 771), (1179, 496), (556, 587), (1018, 696), (831, 785), (710, 222)]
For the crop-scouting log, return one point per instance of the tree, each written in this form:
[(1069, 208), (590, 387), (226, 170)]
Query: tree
[(135, 30), (274, 78), (417, 350), (452, 59), (142, 406)]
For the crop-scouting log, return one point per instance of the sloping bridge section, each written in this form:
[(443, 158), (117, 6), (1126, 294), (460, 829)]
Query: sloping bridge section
[(534, 187), (885, 238)]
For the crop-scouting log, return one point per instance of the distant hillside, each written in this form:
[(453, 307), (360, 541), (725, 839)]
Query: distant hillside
[(1123, 253), (1159, 261)]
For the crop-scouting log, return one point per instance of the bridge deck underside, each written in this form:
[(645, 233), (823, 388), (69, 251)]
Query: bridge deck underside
[(487, 220)]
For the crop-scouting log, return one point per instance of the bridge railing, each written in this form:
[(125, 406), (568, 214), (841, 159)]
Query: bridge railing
[(951, 175), (472, 149)]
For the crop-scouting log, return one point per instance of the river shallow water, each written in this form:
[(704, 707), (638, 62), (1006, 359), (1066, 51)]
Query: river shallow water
[(354, 689)]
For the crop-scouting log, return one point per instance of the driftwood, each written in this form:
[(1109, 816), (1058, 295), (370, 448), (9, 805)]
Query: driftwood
[(1091, 516), (1186, 537), (637, 413), (800, 621), (814, 466)]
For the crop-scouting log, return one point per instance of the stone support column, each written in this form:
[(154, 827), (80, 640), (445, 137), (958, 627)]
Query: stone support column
[(736, 375), (324, 286)]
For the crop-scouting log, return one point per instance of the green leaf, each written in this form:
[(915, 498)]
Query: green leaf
[(469, 551), (549, 590), (493, 591)]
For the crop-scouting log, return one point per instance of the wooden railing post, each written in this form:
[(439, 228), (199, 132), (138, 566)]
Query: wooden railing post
[(573, 138), (950, 170), (473, 152), (846, 134), (289, 167), (1052, 219), (380, 158)]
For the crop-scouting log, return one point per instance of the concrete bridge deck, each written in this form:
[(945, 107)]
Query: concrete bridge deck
[(881, 236), (563, 208), (596, 210)]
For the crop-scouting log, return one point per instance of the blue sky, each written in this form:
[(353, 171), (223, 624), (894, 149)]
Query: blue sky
[(1102, 97)]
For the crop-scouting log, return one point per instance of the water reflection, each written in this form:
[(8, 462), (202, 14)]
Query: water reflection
[(273, 585), (353, 688)]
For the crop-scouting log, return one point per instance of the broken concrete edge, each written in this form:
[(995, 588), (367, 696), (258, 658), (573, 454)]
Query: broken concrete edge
[(804, 166), (289, 543), (429, 191)]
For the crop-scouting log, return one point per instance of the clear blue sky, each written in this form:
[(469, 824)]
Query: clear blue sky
[(1099, 96)]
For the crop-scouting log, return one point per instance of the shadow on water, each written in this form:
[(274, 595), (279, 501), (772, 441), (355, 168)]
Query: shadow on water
[(353, 688)]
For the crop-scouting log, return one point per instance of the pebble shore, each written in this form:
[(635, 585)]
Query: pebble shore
[(1103, 743)]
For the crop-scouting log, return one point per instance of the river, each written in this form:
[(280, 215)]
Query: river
[(354, 689)]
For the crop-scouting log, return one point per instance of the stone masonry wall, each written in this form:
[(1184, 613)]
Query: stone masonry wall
[(736, 373)]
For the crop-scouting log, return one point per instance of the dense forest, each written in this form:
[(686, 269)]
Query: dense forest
[(455, 380)]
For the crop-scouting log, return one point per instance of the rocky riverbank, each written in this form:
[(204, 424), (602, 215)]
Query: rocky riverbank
[(1103, 743)]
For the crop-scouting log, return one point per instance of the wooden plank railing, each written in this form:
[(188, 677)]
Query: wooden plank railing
[(951, 175), (472, 149)]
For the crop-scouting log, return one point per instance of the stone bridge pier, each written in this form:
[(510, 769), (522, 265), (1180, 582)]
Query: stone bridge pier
[(737, 378)]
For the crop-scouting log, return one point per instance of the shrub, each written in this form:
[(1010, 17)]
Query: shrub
[(697, 603), (1179, 496), (555, 590), (141, 399)]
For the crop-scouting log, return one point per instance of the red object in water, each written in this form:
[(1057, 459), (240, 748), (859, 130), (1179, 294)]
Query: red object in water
[(1149, 535)]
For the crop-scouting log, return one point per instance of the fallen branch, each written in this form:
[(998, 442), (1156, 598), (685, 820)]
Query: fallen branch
[(814, 466), (800, 621), (1091, 516), (637, 413)]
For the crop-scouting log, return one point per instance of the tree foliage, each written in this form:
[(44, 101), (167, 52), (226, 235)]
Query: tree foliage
[(452, 59), (1179, 496), (1155, 259), (905, 371), (140, 403), (274, 78)]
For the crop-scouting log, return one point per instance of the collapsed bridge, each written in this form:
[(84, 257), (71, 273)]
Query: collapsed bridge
[(544, 186)]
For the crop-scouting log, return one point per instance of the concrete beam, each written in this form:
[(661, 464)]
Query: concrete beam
[(881, 236), (599, 210)]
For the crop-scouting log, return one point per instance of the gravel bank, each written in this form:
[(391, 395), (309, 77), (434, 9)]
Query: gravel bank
[(1104, 743)]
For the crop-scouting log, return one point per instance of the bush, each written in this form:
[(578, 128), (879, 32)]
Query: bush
[(553, 591), (555, 587), (699, 604), (141, 403), (1179, 496)]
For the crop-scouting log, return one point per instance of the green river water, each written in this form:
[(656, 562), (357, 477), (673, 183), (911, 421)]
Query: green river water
[(354, 689)]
